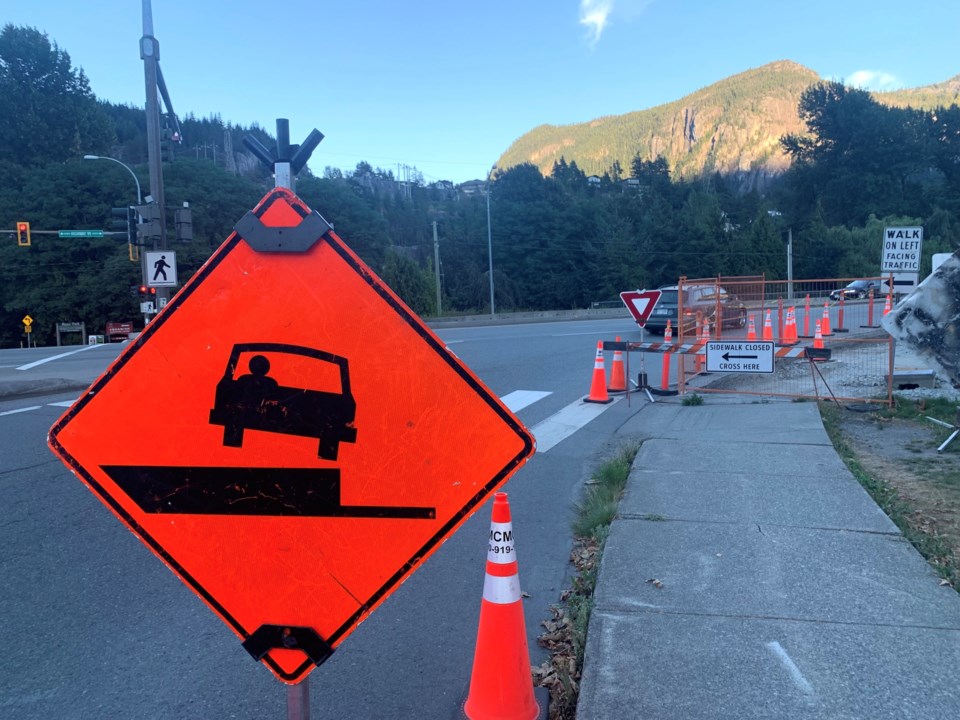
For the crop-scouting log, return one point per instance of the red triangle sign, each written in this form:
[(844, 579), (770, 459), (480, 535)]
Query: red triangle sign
[(289, 438), (640, 303)]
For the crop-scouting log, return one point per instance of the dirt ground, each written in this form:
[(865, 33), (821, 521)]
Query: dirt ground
[(902, 453)]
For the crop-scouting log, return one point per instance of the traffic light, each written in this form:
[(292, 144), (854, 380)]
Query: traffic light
[(149, 229), (124, 221), (23, 234), (183, 219)]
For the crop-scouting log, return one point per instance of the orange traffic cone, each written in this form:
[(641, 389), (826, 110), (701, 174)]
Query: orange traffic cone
[(790, 335), (598, 387), (825, 323), (703, 336), (768, 328), (887, 306), (818, 354), (751, 329), (668, 333), (501, 685), (618, 379)]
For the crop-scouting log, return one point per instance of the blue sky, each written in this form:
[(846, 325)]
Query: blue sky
[(447, 86)]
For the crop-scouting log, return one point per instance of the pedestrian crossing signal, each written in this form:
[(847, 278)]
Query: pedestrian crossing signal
[(23, 234)]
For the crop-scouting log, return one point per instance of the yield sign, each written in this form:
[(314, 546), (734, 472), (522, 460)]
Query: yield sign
[(311, 442), (640, 303)]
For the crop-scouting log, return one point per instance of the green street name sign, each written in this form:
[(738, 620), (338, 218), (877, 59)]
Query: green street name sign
[(80, 233)]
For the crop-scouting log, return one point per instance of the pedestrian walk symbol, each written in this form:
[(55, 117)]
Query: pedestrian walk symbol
[(161, 268)]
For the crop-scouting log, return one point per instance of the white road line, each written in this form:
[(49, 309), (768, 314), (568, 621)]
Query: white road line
[(14, 412), (798, 679), (565, 423), (62, 403), (54, 357), (519, 399)]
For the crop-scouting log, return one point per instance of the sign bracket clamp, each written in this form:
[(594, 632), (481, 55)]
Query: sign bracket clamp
[(288, 637)]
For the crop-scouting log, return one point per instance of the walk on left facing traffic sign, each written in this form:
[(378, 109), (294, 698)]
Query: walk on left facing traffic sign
[(312, 441)]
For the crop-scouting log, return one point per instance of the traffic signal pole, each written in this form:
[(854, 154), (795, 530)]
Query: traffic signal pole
[(150, 54)]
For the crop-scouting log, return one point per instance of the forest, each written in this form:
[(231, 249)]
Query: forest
[(559, 241)]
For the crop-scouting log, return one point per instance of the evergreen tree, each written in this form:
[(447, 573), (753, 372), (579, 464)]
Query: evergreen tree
[(47, 111)]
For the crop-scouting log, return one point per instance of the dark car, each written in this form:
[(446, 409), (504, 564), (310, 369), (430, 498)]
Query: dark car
[(707, 299), (256, 401), (859, 289)]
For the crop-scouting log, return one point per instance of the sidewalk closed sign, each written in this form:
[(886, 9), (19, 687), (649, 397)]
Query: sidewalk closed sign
[(740, 356), (901, 249)]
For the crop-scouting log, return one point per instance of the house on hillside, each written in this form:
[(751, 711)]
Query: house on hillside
[(472, 187)]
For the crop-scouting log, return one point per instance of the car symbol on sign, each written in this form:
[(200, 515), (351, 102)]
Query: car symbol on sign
[(256, 401)]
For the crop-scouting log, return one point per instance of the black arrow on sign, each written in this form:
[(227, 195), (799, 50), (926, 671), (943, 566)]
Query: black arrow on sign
[(303, 492), (728, 356)]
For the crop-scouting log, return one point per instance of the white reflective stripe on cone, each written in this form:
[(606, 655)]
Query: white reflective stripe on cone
[(500, 550), (501, 590)]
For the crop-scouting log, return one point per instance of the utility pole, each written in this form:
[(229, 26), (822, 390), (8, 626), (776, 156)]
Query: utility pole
[(150, 54), (436, 264)]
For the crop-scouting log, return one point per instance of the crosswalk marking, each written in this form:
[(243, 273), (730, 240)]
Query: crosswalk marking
[(565, 423), (63, 403), (519, 399)]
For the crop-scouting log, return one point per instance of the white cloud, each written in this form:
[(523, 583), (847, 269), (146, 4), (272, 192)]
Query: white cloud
[(873, 80), (594, 15)]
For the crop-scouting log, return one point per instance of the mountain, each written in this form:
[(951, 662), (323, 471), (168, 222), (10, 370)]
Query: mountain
[(732, 127)]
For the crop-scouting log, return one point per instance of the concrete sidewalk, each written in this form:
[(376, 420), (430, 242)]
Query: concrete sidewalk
[(749, 575)]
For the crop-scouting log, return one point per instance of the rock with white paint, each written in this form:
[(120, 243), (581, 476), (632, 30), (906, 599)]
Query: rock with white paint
[(928, 320)]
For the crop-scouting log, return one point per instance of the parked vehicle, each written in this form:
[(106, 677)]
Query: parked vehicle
[(708, 300), (859, 289)]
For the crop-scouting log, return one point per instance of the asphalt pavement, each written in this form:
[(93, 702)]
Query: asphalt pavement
[(749, 575), (30, 372)]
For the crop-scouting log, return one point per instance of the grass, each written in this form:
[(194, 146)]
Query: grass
[(603, 494), (566, 636), (905, 409), (693, 399), (899, 509)]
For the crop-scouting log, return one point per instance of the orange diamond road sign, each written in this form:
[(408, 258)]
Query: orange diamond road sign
[(289, 438)]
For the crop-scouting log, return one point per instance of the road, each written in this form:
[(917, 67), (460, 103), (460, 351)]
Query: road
[(96, 627)]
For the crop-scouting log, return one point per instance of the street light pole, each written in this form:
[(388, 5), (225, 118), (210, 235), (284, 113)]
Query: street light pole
[(127, 167), (493, 309)]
